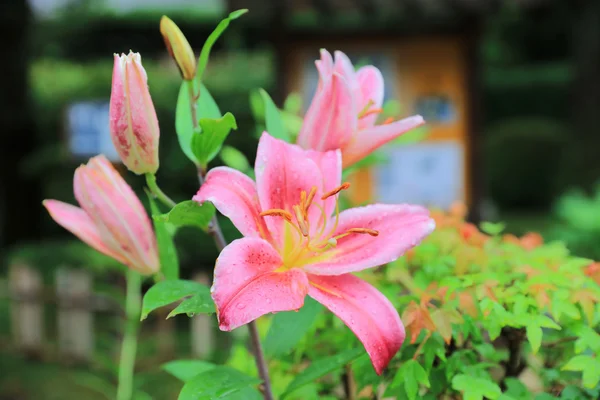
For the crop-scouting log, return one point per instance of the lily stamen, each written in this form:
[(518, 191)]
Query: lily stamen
[(388, 121), (310, 198), (300, 218), (277, 212), (365, 108), (371, 112), (365, 231), (335, 191)]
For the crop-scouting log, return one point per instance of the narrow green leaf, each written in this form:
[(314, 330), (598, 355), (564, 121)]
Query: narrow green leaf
[(322, 367), (184, 124), (207, 143), (235, 159), (217, 383), (534, 336), (189, 213), (200, 303), (212, 38), (274, 122), (185, 370), (288, 328), (167, 292), (167, 252)]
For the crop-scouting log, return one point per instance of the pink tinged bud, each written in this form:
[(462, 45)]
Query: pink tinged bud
[(133, 122), (111, 218)]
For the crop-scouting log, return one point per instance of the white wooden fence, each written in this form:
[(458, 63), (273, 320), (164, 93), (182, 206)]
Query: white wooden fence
[(76, 303)]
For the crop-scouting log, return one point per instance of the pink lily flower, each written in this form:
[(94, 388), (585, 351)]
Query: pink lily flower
[(111, 219), (344, 110), (294, 247)]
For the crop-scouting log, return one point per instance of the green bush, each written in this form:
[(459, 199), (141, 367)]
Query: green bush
[(523, 161)]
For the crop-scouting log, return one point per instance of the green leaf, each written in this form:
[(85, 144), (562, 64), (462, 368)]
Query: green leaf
[(189, 213), (534, 336), (217, 383), (590, 366), (184, 125), (492, 228), (185, 370), (579, 363), (212, 38), (167, 292), (288, 328), (476, 388), (274, 122), (322, 367), (200, 303), (293, 103), (411, 374), (206, 144), (167, 252), (235, 159)]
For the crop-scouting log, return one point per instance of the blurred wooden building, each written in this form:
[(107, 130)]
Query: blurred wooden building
[(427, 51)]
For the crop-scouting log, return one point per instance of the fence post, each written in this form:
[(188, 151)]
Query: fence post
[(202, 332), (27, 317), (75, 317)]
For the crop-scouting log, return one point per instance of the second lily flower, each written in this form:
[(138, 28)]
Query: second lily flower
[(344, 110)]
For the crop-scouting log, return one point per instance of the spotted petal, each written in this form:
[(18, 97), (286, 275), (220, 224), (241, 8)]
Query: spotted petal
[(366, 311), (283, 171), (234, 195), (247, 286), (400, 228)]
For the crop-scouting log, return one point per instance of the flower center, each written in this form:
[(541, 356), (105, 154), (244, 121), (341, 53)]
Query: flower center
[(303, 246)]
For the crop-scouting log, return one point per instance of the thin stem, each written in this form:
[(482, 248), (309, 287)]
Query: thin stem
[(261, 364), (159, 194), (215, 231), (349, 382), (193, 105), (133, 306)]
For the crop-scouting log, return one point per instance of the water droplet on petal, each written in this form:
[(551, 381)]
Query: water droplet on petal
[(268, 301), (241, 306)]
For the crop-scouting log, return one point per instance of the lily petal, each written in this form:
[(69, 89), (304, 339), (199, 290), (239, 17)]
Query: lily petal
[(234, 195), (117, 216), (246, 285), (76, 221), (400, 228), (368, 140), (367, 312), (330, 120), (283, 171), (370, 81)]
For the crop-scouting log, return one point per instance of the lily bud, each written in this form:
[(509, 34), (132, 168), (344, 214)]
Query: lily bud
[(111, 219), (178, 47), (133, 123)]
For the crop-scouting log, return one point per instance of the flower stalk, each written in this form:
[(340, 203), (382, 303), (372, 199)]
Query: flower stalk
[(133, 307)]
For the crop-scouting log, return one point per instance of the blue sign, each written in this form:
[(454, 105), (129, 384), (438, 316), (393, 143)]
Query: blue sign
[(88, 130)]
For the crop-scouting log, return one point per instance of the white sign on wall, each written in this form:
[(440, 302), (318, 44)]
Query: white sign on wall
[(88, 130), (430, 174)]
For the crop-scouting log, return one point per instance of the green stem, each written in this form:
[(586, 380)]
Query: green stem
[(133, 307), (159, 194), (193, 105)]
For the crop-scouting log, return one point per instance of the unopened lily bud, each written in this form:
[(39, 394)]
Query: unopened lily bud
[(178, 47), (133, 123)]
